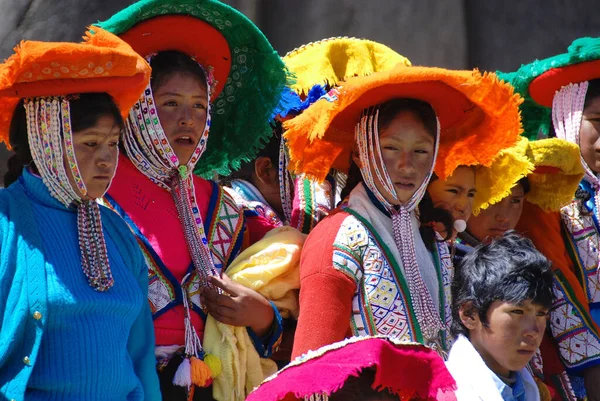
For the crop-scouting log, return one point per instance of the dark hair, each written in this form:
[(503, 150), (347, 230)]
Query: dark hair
[(429, 214), (360, 389), (167, 63), (525, 184), (509, 269), (86, 109), (593, 91), (271, 150)]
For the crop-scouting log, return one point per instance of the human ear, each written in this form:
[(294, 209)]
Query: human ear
[(264, 171), (468, 315), (356, 158)]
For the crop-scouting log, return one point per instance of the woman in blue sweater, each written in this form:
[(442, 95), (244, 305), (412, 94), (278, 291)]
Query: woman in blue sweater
[(74, 320)]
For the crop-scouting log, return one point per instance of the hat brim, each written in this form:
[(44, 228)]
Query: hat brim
[(103, 63), (552, 166), (478, 115), (407, 369), (205, 44), (558, 172), (543, 88)]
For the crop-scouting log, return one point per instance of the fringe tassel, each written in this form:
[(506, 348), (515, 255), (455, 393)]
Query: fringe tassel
[(214, 364), (201, 375), (183, 377)]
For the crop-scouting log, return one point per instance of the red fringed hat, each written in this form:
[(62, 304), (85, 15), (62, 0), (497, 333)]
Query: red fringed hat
[(409, 370)]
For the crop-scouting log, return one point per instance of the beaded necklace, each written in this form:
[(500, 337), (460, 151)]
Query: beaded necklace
[(149, 150), (367, 137), (50, 137), (567, 112)]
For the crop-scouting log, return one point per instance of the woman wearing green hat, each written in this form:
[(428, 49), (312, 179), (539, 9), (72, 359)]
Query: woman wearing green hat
[(563, 100), (188, 228)]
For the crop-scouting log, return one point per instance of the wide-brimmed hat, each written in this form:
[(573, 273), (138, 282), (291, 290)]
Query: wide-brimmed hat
[(409, 370), (331, 61), (552, 166), (478, 115), (249, 74), (538, 81), (102, 63)]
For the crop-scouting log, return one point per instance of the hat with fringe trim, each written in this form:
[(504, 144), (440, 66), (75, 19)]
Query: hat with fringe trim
[(552, 166), (538, 81), (330, 61), (249, 73), (495, 182), (478, 114), (102, 63), (408, 370)]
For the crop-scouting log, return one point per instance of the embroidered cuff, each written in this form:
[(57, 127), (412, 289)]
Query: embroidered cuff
[(266, 345)]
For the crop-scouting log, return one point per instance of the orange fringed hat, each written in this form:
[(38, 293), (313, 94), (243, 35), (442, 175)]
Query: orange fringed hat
[(102, 63), (478, 114)]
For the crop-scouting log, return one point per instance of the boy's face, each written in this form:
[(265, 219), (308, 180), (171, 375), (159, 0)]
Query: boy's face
[(513, 334)]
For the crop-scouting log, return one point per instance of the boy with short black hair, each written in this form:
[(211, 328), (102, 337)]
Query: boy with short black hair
[(502, 294)]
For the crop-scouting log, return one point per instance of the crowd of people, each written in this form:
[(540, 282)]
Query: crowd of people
[(189, 216)]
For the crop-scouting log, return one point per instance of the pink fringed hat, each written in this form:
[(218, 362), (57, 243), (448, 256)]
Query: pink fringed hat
[(409, 370)]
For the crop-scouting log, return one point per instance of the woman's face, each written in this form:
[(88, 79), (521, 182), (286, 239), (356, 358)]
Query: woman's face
[(456, 193), (96, 151), (589, 135), (407, 150), (182, 102), (494, 221)]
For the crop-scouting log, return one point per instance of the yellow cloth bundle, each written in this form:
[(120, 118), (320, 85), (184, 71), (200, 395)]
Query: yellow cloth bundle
[(270, 267)]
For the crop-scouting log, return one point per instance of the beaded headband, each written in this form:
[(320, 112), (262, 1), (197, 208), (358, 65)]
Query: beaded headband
[(48, 131), (567, 112), (149, 150), (367, 138)]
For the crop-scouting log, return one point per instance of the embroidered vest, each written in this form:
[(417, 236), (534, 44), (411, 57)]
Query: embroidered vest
[(382, 302), (570, 323), (224, 226)]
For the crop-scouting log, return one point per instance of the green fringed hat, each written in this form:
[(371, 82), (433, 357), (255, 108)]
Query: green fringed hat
[(249, 74), (538, 81)]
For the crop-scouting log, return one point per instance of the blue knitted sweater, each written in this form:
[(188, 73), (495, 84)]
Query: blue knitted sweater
[(59, 338)]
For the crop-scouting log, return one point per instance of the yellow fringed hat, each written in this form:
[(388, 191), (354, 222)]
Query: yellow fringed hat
[(553, 167), (478, 114), (331, 61)]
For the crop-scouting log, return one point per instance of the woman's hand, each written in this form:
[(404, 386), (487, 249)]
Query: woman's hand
[(242, 307)]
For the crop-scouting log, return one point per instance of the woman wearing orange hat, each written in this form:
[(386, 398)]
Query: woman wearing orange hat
[(74, 321), (366, 269)]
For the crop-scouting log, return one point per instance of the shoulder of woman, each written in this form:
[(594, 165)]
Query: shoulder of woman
[(121, 233)]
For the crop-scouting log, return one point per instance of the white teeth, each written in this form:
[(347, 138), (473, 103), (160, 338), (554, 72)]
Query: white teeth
[(185, 137)]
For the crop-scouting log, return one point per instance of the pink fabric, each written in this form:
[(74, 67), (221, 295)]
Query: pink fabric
[(407, 370), (153, 210), (258, 227)]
